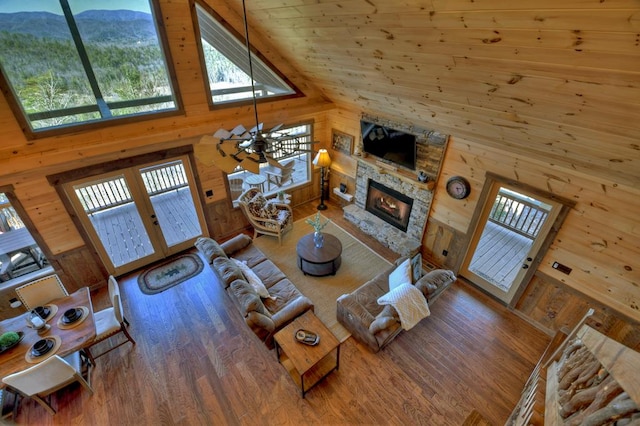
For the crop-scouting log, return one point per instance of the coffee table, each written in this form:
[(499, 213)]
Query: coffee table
[(307, 365), (319, 261)]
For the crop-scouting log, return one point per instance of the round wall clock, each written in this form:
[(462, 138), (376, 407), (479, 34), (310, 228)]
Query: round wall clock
[(458, 187)]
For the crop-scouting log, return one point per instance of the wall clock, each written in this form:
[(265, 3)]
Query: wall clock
[(458, 187)]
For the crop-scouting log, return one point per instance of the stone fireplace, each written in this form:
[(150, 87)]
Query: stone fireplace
[(406, 238), (389, 205), (406, 200)]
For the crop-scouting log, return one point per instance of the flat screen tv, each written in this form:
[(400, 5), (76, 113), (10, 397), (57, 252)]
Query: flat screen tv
[(389, 144)]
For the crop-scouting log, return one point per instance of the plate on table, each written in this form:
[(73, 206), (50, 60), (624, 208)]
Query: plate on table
[(49, 345), (71, 319), (6, 348)]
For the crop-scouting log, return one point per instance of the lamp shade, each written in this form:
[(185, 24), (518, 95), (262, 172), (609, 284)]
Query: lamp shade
[(322, 159)]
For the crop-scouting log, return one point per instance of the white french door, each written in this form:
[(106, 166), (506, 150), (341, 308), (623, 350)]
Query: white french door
[(138, 215), (509, 238)]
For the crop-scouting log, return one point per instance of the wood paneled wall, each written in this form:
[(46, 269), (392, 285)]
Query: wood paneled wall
[(26, 164), (598, 240), (557, 81)]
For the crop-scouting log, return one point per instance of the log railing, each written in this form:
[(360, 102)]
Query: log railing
[(595, 381)]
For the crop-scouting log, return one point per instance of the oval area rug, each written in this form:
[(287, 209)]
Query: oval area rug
[(172, 272)]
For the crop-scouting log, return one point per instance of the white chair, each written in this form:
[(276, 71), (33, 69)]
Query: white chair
[(110, 321), (45, 378), (41, 291)]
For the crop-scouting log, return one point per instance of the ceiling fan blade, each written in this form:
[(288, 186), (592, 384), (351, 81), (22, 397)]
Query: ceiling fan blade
[(238, 130), (256, 129), (222, 134), (276, 128)]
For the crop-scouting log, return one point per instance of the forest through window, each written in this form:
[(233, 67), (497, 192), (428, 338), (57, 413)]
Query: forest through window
[(69, 62)]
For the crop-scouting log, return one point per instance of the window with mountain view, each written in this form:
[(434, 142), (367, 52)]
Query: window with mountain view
[(71, 62), (227, 65)]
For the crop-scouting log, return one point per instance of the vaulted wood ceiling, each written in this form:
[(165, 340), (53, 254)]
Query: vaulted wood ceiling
[(555, 80)]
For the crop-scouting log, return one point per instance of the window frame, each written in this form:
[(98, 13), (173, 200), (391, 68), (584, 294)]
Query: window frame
[(241, 38), (9, 191), (286, 188), (33, 134)]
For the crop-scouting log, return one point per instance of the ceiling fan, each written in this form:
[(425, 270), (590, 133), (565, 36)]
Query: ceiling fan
[(228, 149)]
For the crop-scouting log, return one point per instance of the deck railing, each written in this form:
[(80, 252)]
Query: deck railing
[(164, 178), (113, 192), (518, 214)]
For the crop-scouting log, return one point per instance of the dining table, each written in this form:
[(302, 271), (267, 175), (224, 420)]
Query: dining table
[(15, 240), (70, 337)]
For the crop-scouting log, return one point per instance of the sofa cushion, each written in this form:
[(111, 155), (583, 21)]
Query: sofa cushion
[(227, 270), (434, 282), (401, 275), (251, 254), (282, 293), (252, 278), (269, 273), (368, 293), (247, 298), (209, 248)]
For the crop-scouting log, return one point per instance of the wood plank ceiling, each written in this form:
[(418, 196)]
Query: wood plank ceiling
[(555, 80)]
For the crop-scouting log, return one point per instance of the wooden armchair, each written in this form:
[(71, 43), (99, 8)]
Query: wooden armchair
[(279, 174), (267, 217)]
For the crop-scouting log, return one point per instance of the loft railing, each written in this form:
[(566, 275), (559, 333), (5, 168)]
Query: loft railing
[(518, 214)]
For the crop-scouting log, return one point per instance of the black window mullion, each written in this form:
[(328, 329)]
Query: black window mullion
[(105, 112)]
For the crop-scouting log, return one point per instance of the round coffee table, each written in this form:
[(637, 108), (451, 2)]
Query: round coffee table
[(322, 261)]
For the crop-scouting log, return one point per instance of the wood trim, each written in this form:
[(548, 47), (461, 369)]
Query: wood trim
[(123, 163)]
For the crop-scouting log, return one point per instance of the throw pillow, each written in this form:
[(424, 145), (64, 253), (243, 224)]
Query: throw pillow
[(252, 278), (402, 274)]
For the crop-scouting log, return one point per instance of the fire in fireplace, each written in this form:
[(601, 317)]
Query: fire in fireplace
[(389, 205)]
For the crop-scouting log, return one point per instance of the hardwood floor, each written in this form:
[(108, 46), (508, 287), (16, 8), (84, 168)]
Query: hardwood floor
[(197, 363)]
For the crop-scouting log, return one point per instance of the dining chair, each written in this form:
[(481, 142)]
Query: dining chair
[(41, 291), (110, 321), (45, 378)]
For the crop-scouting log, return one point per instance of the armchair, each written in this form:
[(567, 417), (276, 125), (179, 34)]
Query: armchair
[(279, 174), (266, 217)]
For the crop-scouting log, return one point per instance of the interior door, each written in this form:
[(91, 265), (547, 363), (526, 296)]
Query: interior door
[(509, 239), (138, 215)]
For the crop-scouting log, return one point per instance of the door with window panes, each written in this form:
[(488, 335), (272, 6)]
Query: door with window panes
[(138, 215)]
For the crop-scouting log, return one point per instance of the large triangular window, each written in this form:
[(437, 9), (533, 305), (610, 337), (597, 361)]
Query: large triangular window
[(66, 63), (227, 64)]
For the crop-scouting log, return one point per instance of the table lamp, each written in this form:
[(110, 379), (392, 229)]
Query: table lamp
[(323, 161)]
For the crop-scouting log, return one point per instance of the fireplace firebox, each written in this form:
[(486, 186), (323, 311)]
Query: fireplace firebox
[(389, 205)]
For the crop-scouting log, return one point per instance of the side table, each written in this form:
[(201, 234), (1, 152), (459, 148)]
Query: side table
[(307, 365)]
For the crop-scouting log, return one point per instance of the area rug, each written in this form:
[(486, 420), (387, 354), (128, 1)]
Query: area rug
[(161, 277), (359, 264)]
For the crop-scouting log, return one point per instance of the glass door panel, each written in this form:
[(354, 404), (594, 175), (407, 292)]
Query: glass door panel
[(139, 215), (512, 228), (171, 197), (112, 218)]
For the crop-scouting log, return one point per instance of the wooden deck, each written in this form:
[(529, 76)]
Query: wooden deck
[(499, 255), (300, 175), (124, 236)]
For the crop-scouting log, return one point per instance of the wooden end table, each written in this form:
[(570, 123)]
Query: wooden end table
[(322, 261), (307, 365)]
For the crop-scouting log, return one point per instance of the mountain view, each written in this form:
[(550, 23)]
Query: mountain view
[(39, 57)]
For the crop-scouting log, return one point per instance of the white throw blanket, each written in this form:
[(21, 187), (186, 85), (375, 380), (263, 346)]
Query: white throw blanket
[(409, 302)]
